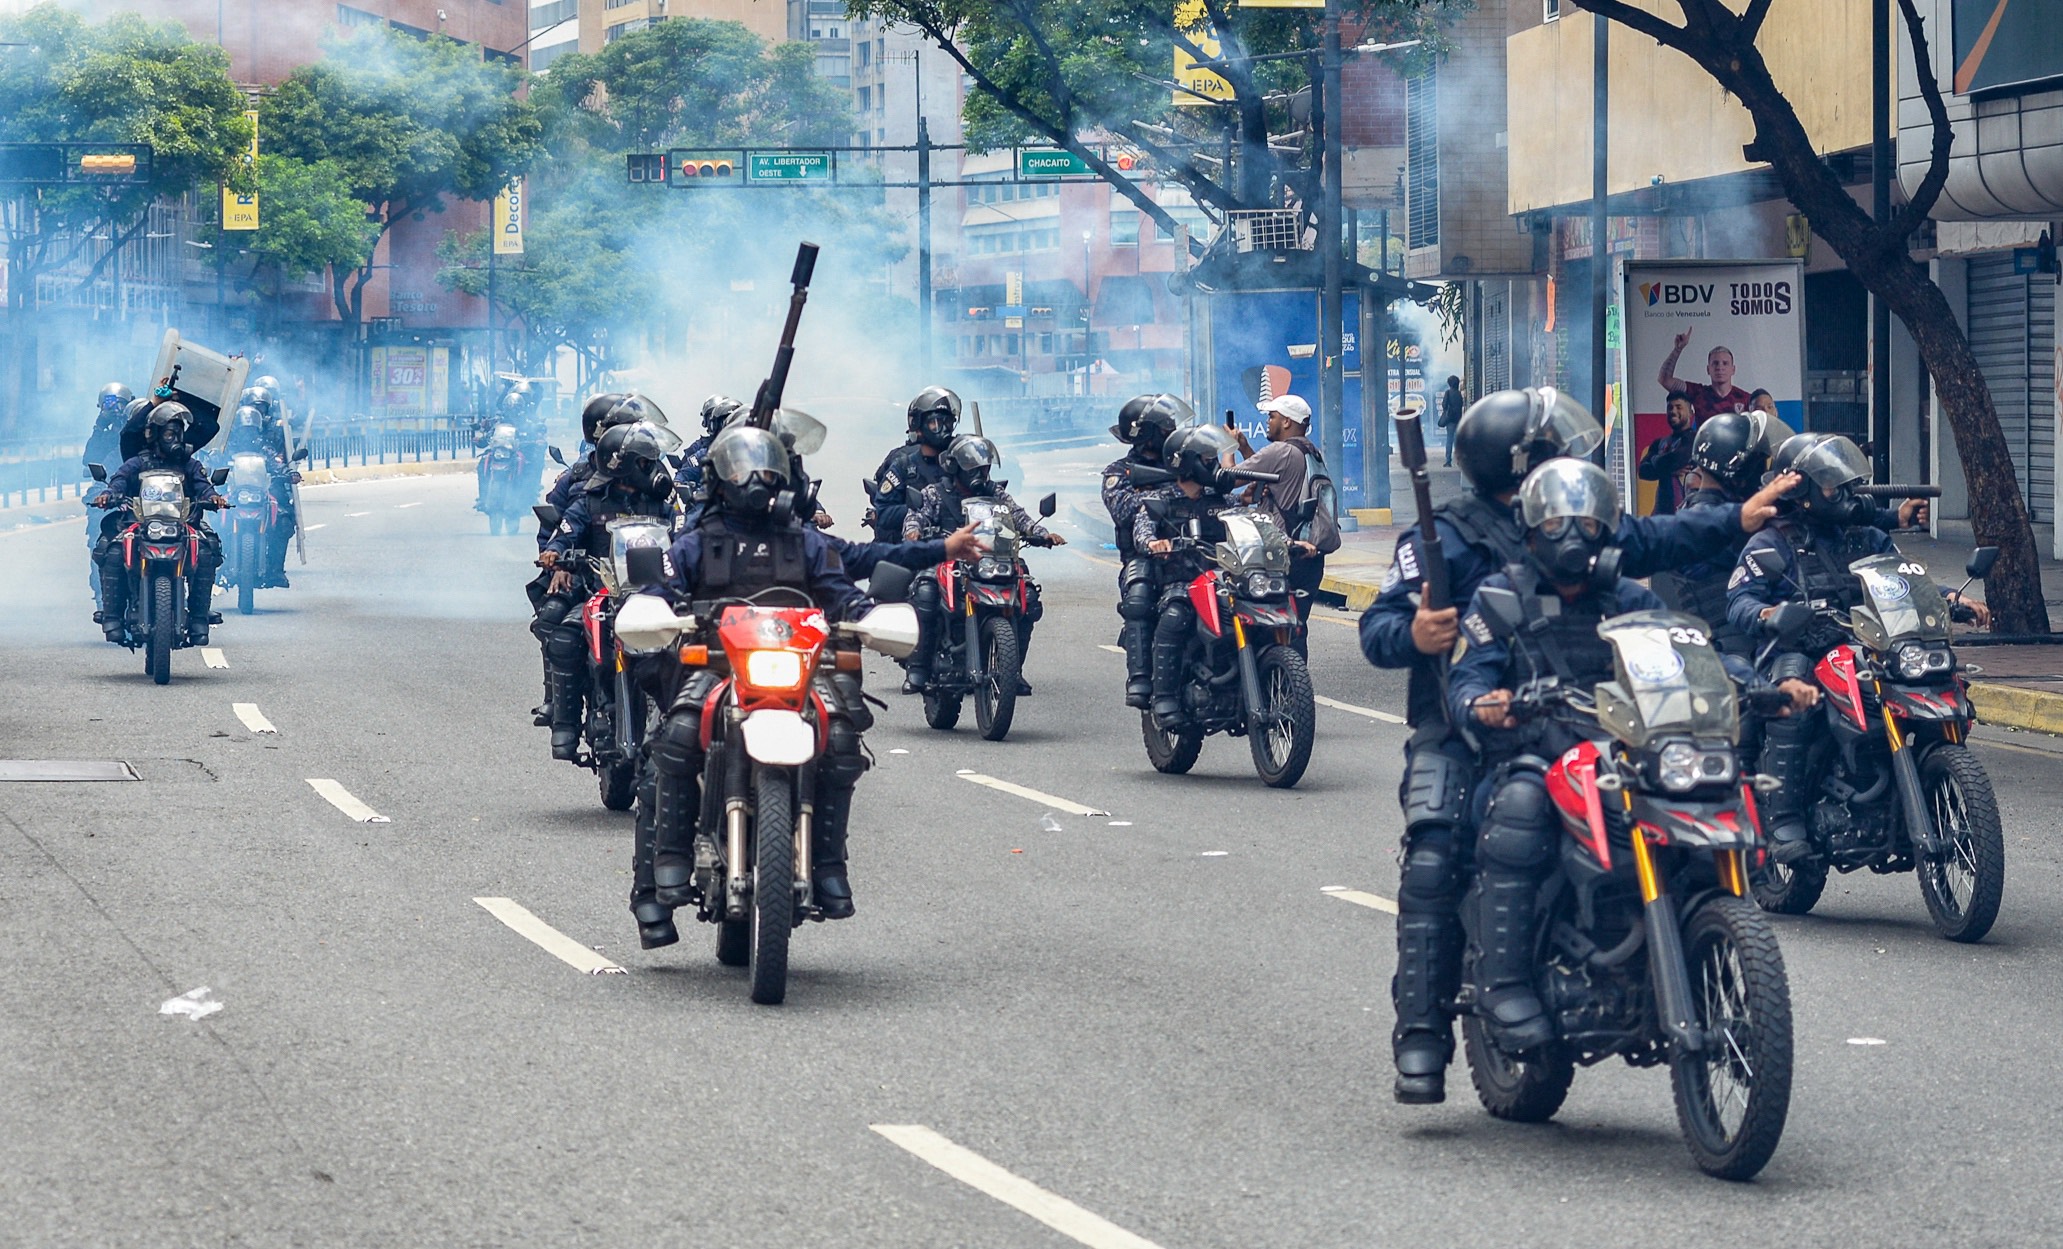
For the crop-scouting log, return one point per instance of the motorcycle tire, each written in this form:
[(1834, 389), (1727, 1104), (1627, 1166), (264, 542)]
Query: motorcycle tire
[(733, 936), (1171, 753), (246, 572), (941, 711), (1280, 737), (1517, 1090), (733, 942), (1788, 889), (1743, 1003), (1963, 887), (773, 885), (164, 622), (995, 703), (619, 784)]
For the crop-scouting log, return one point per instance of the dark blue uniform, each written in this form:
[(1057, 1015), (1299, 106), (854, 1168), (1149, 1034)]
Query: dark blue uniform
[(905, 468), (1138, 575), (114, 574)]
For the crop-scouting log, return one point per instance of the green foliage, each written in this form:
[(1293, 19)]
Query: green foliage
[(309, 221)]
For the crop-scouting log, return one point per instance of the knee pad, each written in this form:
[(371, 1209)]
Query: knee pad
[(1034, 607), (841, 769), (1428, 880), (1434, 792), (565, 647), (676, 745), (924, 594), (1137, 602), (1790, 664), (1516, 832)]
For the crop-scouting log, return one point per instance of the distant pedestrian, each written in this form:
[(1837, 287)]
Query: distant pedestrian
[(1452, 404)]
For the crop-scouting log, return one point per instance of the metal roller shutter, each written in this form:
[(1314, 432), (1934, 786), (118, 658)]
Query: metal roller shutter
[(2013, 332)]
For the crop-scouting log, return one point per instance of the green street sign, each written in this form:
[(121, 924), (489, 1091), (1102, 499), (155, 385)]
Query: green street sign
[(1612, 331), (788, 167), (1049, 162)]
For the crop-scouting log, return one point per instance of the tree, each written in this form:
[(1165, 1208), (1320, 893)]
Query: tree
[(124, 81), (1722, 43), (407, 124), (1072, 72), (311, 222)]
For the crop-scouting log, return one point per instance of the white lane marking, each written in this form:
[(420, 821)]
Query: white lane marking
[(549, 939), (313, 528), (1867, 1040), (253, 719), (417, 503), (1105, 646), (1372, 901), (213, 657), (340, 798), (977, 1172), (349, 515), (1370, 712), (1058, 804)]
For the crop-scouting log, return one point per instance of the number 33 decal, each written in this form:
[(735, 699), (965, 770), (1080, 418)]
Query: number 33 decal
[(1687, 637)]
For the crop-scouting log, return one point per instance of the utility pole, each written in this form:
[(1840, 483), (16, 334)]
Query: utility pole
[(1880, 211), (1331, 366), (1600, 251), (924, 246), (493, 356)]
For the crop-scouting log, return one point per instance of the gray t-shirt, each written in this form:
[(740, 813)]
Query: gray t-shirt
[(1285, 458)]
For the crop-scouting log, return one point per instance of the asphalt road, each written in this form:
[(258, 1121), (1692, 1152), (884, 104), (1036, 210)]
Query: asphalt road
[(1158, 1015)]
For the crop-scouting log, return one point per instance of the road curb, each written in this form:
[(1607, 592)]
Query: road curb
[(376, 472), (2017, 707), (1359, 591)]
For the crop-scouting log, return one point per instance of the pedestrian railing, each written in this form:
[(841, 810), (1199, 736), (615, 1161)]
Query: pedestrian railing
[(41, 471), (339, 444)]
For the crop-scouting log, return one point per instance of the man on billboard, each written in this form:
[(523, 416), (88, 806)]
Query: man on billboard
[(1667, 456), (1706, 400)]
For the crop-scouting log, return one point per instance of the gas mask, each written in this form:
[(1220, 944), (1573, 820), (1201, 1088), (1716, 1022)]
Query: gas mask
[(656, 482), (1572, 550), (753, 497), (938, 430), (1844, 508), (170, 441)]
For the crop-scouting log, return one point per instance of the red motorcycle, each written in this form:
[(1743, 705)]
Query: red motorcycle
[(1646, 946), (980, 650)]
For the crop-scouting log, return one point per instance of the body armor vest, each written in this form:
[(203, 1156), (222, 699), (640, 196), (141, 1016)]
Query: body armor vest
[(1566, 645), (611, 502), (738, 561), (1488, 526), (1819, 563), (1701, 588)]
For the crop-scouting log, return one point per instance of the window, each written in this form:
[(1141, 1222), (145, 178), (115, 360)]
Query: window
[(618, 31), (866, 51), (1124, 227), (546, 16), (1550, 10), (348, 16), (1422, 160), (615, 4), (866, 99)]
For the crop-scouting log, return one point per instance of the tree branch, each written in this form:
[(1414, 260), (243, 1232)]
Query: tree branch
[(1908, 219), (1751, 20), (1063, 96), (1640, 20)]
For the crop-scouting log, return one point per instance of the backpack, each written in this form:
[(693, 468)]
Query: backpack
[(1317, 516)]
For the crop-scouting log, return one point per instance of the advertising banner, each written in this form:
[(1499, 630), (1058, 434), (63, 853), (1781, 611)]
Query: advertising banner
[(508, 219), (1263, 345), (1199, 86), (400, 380), (240, 212), (1712, 333)]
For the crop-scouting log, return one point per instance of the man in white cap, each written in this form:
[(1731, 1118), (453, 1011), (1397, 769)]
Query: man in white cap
[(1289, 445)]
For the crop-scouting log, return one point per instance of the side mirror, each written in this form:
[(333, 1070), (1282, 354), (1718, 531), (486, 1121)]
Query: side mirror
[(1048, 505), (1981, 561), (300, 454), (1767, 562), (219, 476), (890, 583), (546, 514), (1791, 620), (646, 565), (99, 471), (891, 628), (1504, 613), (558, 456)]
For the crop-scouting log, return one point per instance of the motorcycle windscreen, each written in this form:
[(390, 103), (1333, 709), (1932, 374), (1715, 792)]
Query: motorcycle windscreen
[(1253, 542), (1904, 599), (161, 495), (247, 471), (1670, 682), (994, 526), (504, 438)]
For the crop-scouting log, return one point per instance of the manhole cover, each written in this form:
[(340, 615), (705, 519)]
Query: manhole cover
[(66, 770)]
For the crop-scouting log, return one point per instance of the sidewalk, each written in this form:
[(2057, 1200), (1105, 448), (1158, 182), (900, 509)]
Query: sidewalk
[(2018, 687)]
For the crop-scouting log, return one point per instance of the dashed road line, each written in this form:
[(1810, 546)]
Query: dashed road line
[(340, 798), (313, 528), (349, 515), (213, 657), (1370, 712), (1373, 902), (1058, 804), (1020, 1194), (1351, 624), (1105, 646), (547, 938), (253, 719), (417, 503)]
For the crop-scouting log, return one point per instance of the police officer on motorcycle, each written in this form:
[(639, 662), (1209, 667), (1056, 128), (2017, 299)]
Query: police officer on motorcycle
[(1824, 527), (716, 410), (165, 448), (747, 540), (1500, 438), (933, 415), (256, 428), (103, 447), (1143, 424), (631, 478), (1196, 455)]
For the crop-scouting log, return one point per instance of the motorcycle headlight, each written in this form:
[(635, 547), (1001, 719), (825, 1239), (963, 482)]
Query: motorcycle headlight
[(1681, 767), (774, 670), (990, 567), (1264, 585), (161, 529), (1916, 662)]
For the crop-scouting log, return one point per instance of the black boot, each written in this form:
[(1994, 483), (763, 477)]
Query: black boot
[(1787, 756), (566, 699), (827, 853), (1428, 969), (541, 714), (1137, 639), (676, 799), (655, 922), (199, 590), (1517, 1020), (918, 674), (1167, 686)]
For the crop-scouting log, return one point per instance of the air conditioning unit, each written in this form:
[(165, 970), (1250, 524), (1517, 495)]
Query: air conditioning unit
[(1268, 230)]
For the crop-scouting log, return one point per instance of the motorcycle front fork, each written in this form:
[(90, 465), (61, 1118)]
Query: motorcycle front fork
[(1667, 967)]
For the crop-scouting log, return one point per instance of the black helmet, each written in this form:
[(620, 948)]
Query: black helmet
[(165, 432), (259, 397), (634, 454), (636, 407), (1159, 416), (1570, 511), (970, 462), (1197, 453), (749, 466), (592, 412), (114, 398), (717, 409), (1832, 467), (1729, 447), (1787, 452), (1128, 416), (933, 415), (1507, 434)]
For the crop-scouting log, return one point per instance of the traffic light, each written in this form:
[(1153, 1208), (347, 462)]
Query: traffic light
[(707, 171), (1124, 162), (32, 162), (108, 165), (648, 167)]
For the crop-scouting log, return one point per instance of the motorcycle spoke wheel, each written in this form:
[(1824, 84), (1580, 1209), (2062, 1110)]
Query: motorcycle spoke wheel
[(995, 703), (1521, 1090), (1788, 889), (1733, 1096), (1280, 736), (772, 915), (1172, 753), (164, 621), (1965, 883)]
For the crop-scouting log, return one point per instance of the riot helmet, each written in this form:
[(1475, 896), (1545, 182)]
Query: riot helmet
[(633, 454), (1128, 416), (592, 412), (1197, 453), (115, 398), (246, 429), (165, 432), (1508, 433), (1729, 447), (717, 409), (971, 463), (1832, 467), (1161, 415), (634, 408), (933, 415), (260, 397), (749, 466), (1570, 511), (268, 381)]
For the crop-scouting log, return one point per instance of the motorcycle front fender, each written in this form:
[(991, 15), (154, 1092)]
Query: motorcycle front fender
[(779, 738)]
